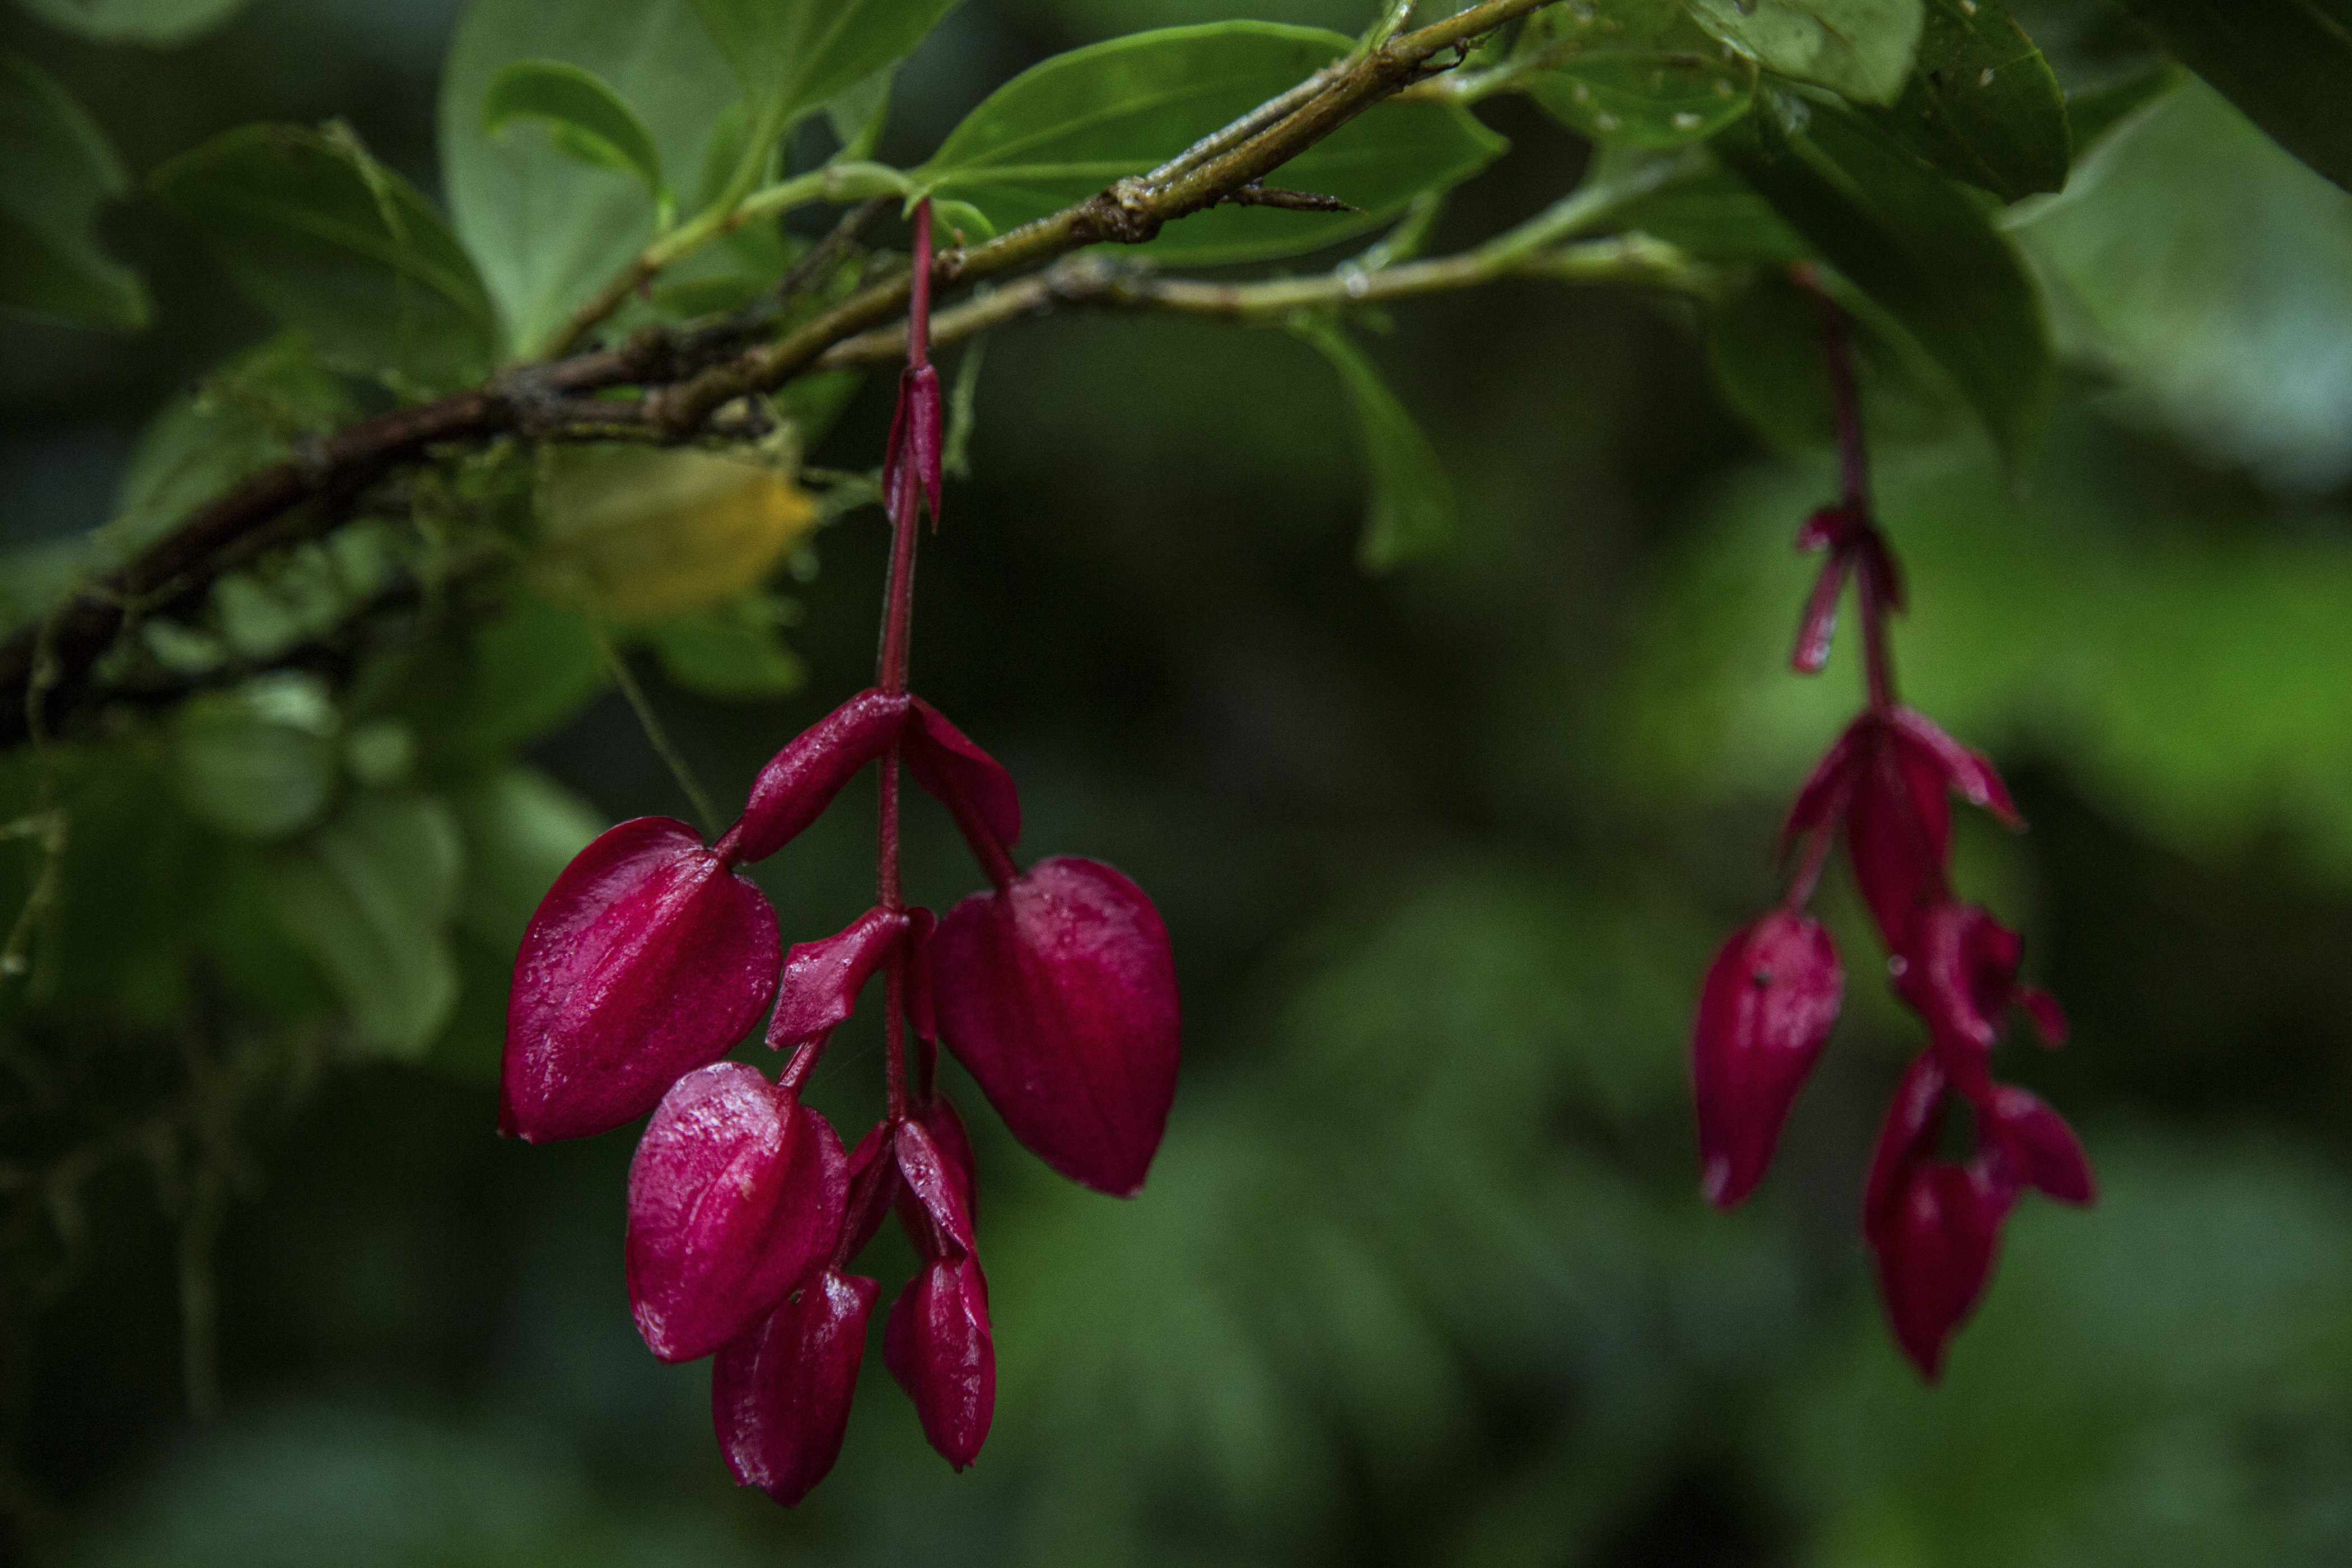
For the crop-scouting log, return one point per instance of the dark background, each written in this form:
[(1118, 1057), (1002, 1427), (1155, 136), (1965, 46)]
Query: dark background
[(1421, 1273)]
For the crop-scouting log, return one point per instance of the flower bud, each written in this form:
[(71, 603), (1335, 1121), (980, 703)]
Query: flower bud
[(647, 958), (938, 1347), (779, 1394), (1932, 1226), (971, 783), (800, 781), (1058, 993), (822, 979), (1767, 1006), (735, 1194), (911, 460), (2036, 1145)]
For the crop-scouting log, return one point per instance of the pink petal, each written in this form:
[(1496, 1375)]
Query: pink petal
[(940, 1119), (780, 1394), (1059, 995), (646, 959), (874, 1186), (1817, 627), (800, 781), (2049, 1019), (969, 783), (1904, 1138), (1828, 528), (735, 1194), (1967, 773), (938, 1347), (1825, 792), (1767, 1005), (1959, 971), (1898, 827), (823, 978), (2037, 1144), (935, 1192), (1935, 1243), (915, 435)]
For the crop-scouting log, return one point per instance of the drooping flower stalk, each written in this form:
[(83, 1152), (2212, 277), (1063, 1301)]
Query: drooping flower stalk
[(652, 955), (1773, 992)]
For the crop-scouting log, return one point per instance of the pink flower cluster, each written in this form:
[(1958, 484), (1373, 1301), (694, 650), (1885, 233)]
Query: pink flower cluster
[(1773, 992), (652, 954)]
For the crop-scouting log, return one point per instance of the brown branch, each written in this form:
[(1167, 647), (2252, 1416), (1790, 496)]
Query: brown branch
[(689, 374)]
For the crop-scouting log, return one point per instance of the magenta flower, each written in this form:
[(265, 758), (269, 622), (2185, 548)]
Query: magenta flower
[(1768, 1001), (652, 956)]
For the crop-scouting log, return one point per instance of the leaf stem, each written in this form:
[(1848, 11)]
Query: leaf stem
[(655, 736)]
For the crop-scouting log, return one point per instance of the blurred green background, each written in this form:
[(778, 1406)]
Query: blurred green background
[(1421, 1273)]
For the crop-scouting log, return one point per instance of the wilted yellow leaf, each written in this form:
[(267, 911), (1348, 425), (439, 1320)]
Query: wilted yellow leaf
[(643, 534)]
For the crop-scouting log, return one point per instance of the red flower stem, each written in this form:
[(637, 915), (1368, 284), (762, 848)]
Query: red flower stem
[(1854, 477), (803, 1062), (894, 1048), (918, 292), (1875, 658)]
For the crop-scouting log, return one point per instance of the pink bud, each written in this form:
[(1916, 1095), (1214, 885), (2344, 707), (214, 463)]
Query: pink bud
[(1959, 972), (2049, 1019), (934, 1199), (735, 1194), (823, 978), (1767, 1003), (779, 1394), (938, 1347), (1932, 1226), (1898, 827), (940, 1119), (646, 958), (1059, 994), (1967, 773), (800, 781), (874, 1186), (971, 783), (2036, 1145)]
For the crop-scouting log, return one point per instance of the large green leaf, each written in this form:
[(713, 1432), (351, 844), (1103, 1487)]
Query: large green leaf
[(1712, 214), (158, 24), (1917, 247), (522, 828), (1643, 73), (368, 897), (548, 230), (585, 118), (59, 170), (321, 235), (2287, 64), (1065, 129), (793, 55), (256, 761), (1764, 345), (1412, 506), (1861, 48), (1982, 104)]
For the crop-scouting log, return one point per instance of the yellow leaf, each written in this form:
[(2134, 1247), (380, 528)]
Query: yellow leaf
[(643, 534)]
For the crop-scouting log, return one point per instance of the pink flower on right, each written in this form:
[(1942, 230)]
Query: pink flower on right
[(1772, 994)]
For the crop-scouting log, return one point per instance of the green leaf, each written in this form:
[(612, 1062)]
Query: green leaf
[(1861, 48), (1981, 105), (522, 828), (369, 898), (858, 112), (732, 650), (793, 55), (1713, 214), (1068, 127), (2285, 63), (529, 670), (1412, 510), (1917, 248), (2091, 115), (547, 230), (1643, 74), (258, 761), (1764, 345), (328, 240), (158, 24), (586, 120), (60, 170)]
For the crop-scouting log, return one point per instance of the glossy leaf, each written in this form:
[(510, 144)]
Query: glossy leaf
[(794, 55), (1918, 249), (318, 234), (1412, 509), (1070, 126), (2284, 63), (584, 117), (1982, 104), (60, 170), (1644, 75), (1861, 48), (547, 230), (735, 1195), (368, 897), (157, 24), (648, 958)]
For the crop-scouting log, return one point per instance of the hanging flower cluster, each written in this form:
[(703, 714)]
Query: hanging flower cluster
[(652, 954), (1773, 992)]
